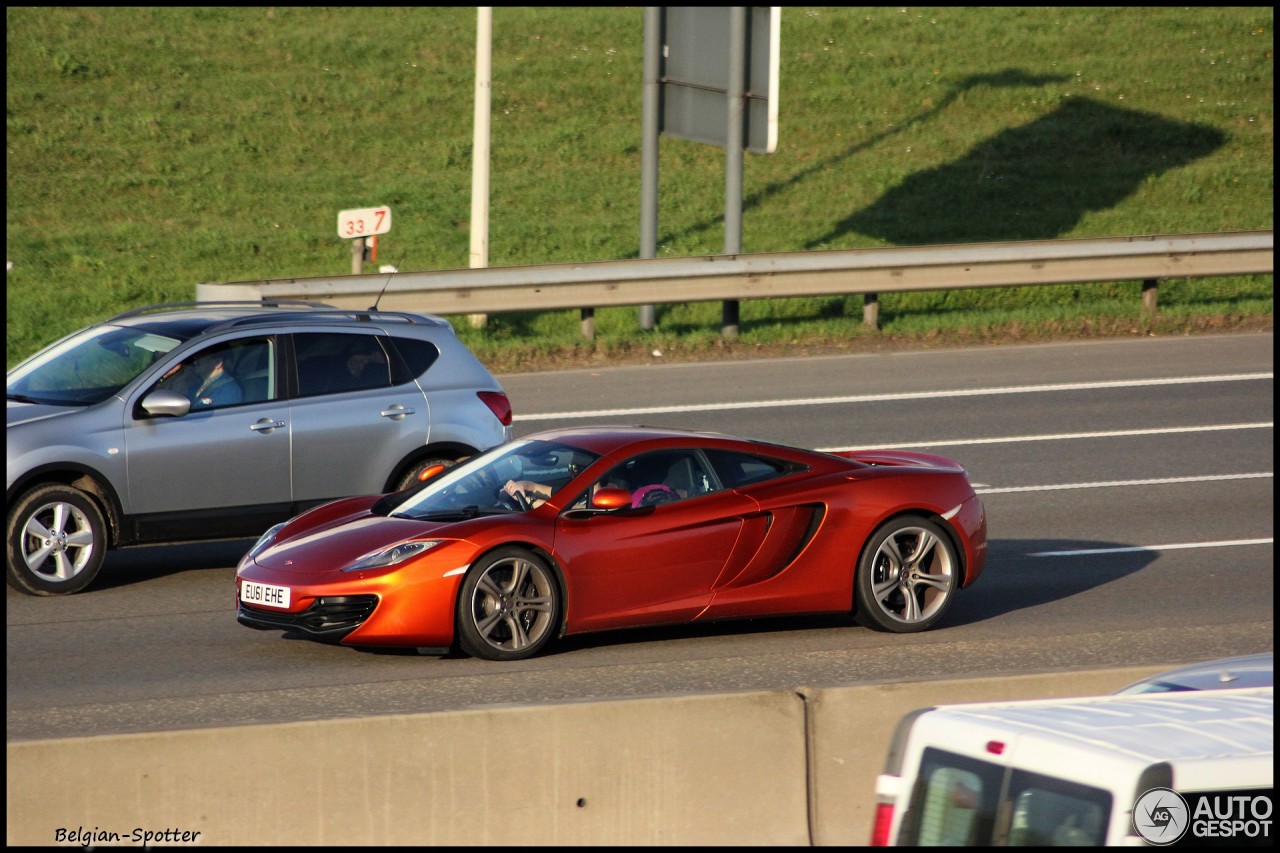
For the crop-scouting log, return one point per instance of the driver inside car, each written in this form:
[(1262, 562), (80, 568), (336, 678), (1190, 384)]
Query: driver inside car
[(535, 493)]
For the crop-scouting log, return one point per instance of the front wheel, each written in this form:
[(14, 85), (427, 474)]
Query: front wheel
[(57, 541), (509, 606), (907, 575)]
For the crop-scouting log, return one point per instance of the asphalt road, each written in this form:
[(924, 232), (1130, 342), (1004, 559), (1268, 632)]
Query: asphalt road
[(1129, 489)]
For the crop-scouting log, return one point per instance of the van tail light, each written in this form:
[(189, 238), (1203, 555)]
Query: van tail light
[(498, 404), (880, 827)]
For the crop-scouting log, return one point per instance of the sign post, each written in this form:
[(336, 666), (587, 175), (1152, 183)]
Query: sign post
[(710, 75)]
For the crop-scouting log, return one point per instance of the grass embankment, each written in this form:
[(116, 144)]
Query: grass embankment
[(150, 149)]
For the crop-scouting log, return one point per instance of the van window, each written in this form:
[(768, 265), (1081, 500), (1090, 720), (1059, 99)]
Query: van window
[(1049, 812), (954, 802)]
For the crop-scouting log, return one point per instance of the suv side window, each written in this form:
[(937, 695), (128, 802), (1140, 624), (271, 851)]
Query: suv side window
[(331, 363), (226, 374)]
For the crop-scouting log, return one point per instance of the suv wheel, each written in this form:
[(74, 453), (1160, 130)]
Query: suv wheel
[(57, 541)]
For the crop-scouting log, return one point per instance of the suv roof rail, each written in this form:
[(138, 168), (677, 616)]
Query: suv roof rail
[(245, 303), (328, 311)]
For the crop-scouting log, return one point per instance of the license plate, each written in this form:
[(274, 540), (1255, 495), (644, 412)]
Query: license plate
[(264, 594)]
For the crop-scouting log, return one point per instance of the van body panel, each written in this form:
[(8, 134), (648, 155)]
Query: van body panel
[(1066, 771)]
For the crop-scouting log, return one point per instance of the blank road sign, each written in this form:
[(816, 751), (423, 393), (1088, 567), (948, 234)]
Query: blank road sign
[(694, 75)]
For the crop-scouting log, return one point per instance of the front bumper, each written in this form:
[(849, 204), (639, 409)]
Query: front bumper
[(329, 617)]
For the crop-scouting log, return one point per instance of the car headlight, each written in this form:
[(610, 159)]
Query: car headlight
[(264, 540), (391, 556)]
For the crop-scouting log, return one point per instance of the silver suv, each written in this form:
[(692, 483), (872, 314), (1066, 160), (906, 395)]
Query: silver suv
[(215, 420)]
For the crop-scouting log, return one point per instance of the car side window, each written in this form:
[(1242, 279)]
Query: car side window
[(332, 363), (661, 476), (744, 469), (226, 374)]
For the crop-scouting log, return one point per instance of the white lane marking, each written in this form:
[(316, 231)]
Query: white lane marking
[(1062, 436), (1230, 543), (1164, 481), (875, 398)]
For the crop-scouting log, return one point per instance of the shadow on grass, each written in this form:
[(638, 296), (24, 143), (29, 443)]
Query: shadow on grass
[(1027, 183), (1034, 182)]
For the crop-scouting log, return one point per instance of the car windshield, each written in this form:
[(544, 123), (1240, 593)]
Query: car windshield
[(87, 367), (476, 486)]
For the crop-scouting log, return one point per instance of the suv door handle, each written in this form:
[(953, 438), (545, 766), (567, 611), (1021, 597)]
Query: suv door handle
[(396, 412), (266, 425)]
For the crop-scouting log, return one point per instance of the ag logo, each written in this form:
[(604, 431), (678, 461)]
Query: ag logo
[(1161, 816)]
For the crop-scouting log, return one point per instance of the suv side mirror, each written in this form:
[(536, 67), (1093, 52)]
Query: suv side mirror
[(166, 404)]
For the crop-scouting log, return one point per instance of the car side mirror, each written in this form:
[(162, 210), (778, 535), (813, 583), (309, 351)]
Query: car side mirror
[(611, 498), (166, 404)]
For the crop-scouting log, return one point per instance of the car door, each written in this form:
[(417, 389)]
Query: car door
[(356, 415), (220, 469), (649, 564)]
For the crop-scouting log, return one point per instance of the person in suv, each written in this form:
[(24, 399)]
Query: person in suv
[(115, 436)]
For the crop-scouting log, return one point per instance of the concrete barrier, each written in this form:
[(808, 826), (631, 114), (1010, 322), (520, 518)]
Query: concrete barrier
[(752, 768), (675, 770)]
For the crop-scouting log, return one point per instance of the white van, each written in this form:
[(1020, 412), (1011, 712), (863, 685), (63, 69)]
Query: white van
[(1195, 767)]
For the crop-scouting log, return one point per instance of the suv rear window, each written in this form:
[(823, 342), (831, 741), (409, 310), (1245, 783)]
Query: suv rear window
[(418, 355), (336, 362)]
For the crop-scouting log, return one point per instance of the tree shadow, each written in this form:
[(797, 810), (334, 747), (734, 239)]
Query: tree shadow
[(1007, 78), (1030, 182), (1033, 182)]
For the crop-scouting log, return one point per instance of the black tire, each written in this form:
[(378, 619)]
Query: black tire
[(907, 576), (57, 541), (509, 606), (410, 477)]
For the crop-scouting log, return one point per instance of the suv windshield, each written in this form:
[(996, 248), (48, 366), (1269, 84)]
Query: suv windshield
[(88, 367)]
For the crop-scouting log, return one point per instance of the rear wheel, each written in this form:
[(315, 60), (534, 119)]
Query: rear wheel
[(57, 539), (509, 606), (907, 576)]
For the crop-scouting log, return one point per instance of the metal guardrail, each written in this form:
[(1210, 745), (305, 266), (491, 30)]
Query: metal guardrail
[(872, 271)]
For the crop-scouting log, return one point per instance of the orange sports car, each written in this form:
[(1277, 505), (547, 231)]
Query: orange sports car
[(588, 529)]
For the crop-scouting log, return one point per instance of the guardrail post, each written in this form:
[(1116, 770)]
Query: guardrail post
[(1150, 293), (871, 310)]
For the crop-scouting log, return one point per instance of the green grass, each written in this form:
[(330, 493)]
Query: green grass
[(151, 149)]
